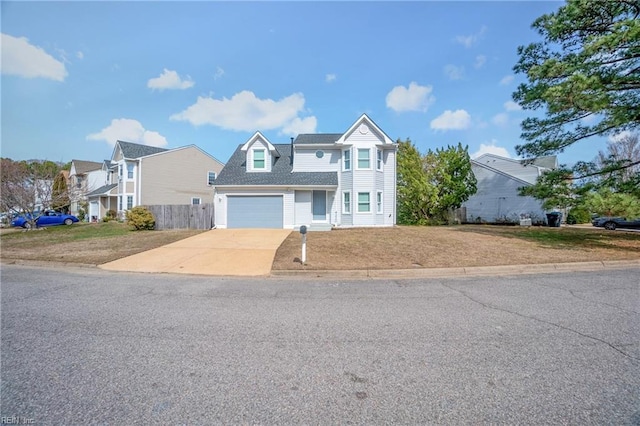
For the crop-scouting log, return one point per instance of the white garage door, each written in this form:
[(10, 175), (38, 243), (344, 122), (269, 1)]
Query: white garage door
[(263, 211)]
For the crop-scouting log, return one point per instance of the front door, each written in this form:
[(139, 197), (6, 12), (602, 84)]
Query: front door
[(320, 206)]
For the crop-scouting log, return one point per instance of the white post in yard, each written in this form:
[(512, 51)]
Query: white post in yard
[(303, 257)]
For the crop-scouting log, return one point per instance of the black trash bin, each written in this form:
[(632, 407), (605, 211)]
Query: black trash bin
[(554, 219)]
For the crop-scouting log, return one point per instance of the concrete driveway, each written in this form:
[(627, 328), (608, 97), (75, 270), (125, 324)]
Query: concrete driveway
[(237, 252)]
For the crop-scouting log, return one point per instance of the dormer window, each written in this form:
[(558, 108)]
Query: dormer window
[(258, 159)]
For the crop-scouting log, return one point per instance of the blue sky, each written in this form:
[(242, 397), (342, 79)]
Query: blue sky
[(76, 76)]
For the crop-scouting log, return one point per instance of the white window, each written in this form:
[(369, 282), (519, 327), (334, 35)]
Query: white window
[(379, 202), (211, 176), (364, 162), (346, 203), (120, 202), (195, 201), (129, 202), (364, 202), (129, 170), (120, 171), (378, 159), (346, 159), (258, 159)]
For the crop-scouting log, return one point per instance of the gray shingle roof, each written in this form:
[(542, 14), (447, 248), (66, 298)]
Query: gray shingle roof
[(235, 172), (83, 166), (135, 150), (317, 138), (103, 190)]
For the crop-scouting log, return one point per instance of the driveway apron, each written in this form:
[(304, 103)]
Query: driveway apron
[(235, 252)]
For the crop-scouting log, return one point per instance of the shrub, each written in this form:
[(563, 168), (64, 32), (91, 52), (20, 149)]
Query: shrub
[(81, 215), (578, 215), (111, 214), (140, 219)]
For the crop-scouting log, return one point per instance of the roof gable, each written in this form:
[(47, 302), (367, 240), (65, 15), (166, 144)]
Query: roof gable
[(82, 166), (135, 150), (364, 119), (259, 136), (500, 172)]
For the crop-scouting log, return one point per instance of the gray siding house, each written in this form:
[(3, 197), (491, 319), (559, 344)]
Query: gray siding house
[(497, 196), (318, 180), (146, 175)]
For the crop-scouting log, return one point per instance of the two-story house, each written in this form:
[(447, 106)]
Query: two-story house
[(499, 178), (84, 177), (145, 175), (318, 180)]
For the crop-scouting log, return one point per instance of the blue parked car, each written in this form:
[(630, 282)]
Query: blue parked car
[(48, 218)]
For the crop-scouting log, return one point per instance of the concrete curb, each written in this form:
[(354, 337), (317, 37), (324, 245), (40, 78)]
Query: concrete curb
[(471, 271)]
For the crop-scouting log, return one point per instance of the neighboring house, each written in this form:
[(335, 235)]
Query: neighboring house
[(84, 177), (318, 180), (146, 175), (499, 178)]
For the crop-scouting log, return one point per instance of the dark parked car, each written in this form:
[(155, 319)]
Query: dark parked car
[(48, 218), (612, 223)]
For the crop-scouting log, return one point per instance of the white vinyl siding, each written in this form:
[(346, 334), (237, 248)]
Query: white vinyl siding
[(497, 198), (346, 202), (305, 160)]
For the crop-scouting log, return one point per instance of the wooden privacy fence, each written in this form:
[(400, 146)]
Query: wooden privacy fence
[(183, 216)]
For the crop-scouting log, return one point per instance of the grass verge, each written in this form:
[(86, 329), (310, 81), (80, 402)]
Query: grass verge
[(90, 243)]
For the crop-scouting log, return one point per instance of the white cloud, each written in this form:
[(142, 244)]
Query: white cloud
[(219, 73), (491, 149), (452, 120), (412, 98), (245, 112), (501, 119), (79, 55), (506, 80), (470, 40), (620, 136), (128, 130), (329, 78), (480, 61), (23, 59), (169, 80), (512, 106), (298, 125), (453, 72)]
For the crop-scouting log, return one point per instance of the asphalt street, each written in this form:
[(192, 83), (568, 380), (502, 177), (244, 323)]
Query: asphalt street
[(85, 346)]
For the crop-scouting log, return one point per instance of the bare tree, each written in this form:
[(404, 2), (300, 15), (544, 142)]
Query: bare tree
[(620, 164), (27, 188)]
